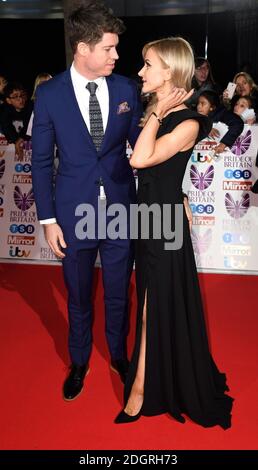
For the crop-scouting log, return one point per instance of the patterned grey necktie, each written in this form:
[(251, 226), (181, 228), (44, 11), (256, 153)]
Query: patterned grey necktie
[(96, 123)]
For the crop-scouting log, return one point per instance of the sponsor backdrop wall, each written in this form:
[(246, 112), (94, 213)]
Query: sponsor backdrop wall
[(225, 212)]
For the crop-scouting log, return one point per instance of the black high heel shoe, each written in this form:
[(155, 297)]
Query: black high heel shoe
[(254, 188), (123, 417)]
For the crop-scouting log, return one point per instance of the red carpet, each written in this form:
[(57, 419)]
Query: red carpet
[(34, 359)]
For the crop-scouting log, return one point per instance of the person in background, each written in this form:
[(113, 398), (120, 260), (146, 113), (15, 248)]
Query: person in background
[(209, 105), (15, 115), (40, 78), (245, 86), (3, 83), (202, 80), (243, 108)]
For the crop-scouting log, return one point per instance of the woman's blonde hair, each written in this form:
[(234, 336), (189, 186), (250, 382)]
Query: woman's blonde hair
[(40, 78), (175, 53)]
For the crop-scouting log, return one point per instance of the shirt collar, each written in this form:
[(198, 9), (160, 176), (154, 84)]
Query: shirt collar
[(82, 81)]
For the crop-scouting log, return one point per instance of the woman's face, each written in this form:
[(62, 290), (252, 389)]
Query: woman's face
[(243, 88), (153, 74), (204, 107), (240, 106), (201, 73)]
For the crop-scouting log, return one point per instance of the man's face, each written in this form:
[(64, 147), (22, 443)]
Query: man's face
[(99, 60)]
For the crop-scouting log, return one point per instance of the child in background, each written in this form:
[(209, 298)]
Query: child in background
[(209, 105), (15, 115), (244, 109)]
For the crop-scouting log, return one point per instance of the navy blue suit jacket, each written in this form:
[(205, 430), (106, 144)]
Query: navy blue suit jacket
[(58, 120)]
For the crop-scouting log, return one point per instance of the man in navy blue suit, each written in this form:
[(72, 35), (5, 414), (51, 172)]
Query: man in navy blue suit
[(93, 166)]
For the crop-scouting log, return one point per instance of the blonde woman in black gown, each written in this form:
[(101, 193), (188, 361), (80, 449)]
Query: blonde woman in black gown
[(171, 370)]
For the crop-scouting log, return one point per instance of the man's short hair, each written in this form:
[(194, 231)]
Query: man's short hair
[(89, 21)]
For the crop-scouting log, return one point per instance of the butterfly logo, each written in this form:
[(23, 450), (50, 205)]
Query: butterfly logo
[(201, 180), (22, 200), (237, 209), (2, 168), (242, 143), (201, 243)]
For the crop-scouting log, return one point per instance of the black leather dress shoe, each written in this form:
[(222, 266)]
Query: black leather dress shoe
[(73, 385), (120, 367)]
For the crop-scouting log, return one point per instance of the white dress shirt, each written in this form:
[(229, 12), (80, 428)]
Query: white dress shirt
[(82, 96)]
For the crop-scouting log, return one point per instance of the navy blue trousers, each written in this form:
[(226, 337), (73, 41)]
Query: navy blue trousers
[(117, 262)]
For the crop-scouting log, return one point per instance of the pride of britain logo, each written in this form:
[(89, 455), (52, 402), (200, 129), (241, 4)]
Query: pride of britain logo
[(201, 180), (237, 209), (201, 243), (23, 201), (242, 143)]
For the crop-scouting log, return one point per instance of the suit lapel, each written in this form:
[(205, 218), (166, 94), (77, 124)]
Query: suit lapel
[(73, 105), (111, 112)]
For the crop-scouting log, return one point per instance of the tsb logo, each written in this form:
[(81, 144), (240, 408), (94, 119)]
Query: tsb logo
[(202, 209), (26, 168), (238, 174), (236, 238), (14, 228)]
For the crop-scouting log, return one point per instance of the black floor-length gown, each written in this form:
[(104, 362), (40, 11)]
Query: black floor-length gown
[(180, 374)]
